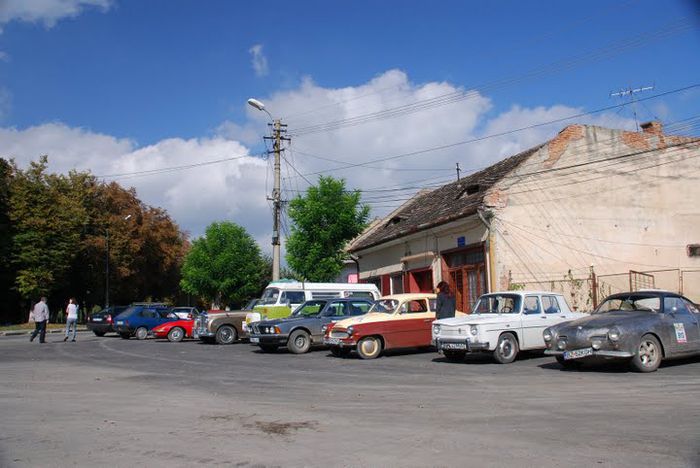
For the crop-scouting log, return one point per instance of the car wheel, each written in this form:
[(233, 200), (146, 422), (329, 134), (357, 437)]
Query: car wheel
[(226, 334), (125, 336), (506, 349), (176, 334), (568, 363), (454, 356), (337, 351), (99, 333), (648, 355), (299, 342), (141, 333), (266, 348), (369, 347)]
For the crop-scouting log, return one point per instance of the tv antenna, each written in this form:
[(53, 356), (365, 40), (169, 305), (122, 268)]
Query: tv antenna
[(629, 94)]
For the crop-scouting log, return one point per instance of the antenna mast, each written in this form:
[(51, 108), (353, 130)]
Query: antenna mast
[(630, 93)]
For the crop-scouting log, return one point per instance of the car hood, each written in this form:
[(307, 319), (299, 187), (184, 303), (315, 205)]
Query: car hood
[(481, 319), (290, 321), (608, 319)]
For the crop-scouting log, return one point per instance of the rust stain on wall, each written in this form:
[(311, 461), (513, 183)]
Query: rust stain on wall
[(558, 145)]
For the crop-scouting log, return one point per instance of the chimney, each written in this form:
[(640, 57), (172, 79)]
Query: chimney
[(654, 127)]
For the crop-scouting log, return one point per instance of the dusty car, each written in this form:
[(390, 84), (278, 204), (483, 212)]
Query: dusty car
[(642, 327), (396, 321), (303, 329), (503, 324)]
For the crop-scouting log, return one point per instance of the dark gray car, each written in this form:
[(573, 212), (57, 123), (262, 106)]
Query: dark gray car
[(303, 328), (642, 327)]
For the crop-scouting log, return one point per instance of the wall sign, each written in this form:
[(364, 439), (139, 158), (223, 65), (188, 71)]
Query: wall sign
[(461, 241)]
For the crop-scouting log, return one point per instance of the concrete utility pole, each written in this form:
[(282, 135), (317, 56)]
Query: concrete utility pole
[(278, 128)]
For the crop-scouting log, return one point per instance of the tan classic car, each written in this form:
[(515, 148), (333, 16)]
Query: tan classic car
[(220, 326)]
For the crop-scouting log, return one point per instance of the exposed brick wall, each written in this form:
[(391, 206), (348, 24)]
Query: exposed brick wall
[(558, 145)]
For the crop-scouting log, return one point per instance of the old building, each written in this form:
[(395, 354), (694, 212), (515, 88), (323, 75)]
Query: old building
[(592, 211)]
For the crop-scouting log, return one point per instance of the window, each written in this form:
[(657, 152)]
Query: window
[(691, 307), (532, 305), (294, 297), (325, 294), (148, 313), (674, 305), (694, 250), (360, 294), (550, 305), (413, 307), (336, 309), (397, 284), (499, 304), (359, 307)]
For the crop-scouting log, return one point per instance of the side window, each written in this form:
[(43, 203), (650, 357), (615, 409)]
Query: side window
[(294, 297), (148, 313), (413, 307), (532, 305), (338, 309), (550, 305), (674, 305), (359, 307), (691, 307)]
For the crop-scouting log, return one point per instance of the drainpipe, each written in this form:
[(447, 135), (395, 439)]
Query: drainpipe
[(356, 259), (490, 263)]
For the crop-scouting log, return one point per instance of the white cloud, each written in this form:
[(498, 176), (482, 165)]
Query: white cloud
[(259, 61), (48, 12), (236, 190)]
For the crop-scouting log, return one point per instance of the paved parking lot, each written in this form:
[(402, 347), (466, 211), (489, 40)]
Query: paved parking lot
[(111, 402)]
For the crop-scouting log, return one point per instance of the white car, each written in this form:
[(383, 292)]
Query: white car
[(502, 323)]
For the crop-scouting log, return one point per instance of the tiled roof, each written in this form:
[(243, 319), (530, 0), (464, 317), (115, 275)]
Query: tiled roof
[(442, 205)]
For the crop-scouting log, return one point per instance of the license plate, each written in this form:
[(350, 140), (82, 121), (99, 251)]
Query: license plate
[(255, 340), (96, 319), (119, 322), (332, 341), (578, 353), (454, 346)]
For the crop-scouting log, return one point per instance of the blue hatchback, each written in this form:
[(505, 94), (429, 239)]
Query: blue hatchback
[(138, 320)]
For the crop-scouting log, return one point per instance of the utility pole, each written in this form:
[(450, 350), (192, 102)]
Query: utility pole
[(630, 93), (278, 129), (458, 171), (106, 268)]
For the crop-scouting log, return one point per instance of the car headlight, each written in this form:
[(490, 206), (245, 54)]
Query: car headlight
[(614, 334), (324, 329), (547, 335), (436, 329), (596, 343), (350, 330), (474, 330), (561, 345)]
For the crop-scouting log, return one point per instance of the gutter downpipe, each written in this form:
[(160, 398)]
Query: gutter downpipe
[(490, 271), (356, 259)]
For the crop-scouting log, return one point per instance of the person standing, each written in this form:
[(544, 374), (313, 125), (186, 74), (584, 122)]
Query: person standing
[(71, 318), (41, 316), (446, 304)]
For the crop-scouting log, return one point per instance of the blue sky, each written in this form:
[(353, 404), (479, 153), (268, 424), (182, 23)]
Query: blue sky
[(154, 84)]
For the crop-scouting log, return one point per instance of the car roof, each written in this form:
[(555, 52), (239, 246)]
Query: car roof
[(522, 292), (409, 296), (646, 292)]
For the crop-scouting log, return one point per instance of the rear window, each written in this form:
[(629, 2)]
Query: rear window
[(360, 295)]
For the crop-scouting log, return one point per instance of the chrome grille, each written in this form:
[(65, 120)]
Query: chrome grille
[(339, 334)]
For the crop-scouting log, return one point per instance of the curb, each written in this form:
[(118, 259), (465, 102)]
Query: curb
[(29, 332)]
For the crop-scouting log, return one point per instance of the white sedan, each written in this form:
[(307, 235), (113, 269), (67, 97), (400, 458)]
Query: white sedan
[(502, 323)]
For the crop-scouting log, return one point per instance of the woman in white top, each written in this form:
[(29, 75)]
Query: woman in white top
[(71, 318)]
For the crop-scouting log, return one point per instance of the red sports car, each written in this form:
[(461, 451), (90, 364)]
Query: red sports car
[(174, 331)]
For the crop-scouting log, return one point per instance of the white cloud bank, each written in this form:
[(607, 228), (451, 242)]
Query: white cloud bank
[(258, 60), (236, 190), (47, 12)]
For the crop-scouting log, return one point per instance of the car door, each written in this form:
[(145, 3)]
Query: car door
[(412, 326), (682, 326), (533, 322)]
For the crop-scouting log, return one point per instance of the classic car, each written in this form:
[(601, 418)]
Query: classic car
[(642, 327), (502, 323), (138, 320), (396, 321), (101, 322), (174, 331), (220, 326), (303, 329)]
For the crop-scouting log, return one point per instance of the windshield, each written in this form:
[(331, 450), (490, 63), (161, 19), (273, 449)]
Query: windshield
[(633, 302), (386, 306), (309, 308), (251, 304), (498, 304), (269, 296)]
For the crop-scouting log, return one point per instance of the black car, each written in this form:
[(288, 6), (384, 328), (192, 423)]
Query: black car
[(303, 328), (101, 322), (642, 327)]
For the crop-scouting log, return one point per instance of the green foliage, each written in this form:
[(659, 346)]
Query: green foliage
[(225, 265), (324, 220)]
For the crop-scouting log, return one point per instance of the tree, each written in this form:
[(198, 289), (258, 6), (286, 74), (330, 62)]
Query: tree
[(324, 220), (224, 266)]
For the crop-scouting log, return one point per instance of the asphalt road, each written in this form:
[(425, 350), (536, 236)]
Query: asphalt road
[(111, 402)]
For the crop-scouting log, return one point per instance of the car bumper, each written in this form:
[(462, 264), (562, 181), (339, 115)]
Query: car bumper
[(278, 340), (341, 342), (99, 327), (604, 353), (462, 344)]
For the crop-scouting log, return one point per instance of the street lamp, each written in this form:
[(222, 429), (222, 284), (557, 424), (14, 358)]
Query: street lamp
[(277, 130)]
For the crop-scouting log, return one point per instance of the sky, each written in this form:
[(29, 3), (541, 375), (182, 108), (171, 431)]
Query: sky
[(389, 95)]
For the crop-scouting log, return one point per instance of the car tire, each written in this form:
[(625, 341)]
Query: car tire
[(337, 351), (97, 333), (648, 356), (568, 363), (176, 334), (506, 349), (454, 356), (226, 334), (369, 347), (141, 333), (299, 342), (266, 348), (125, 336)]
